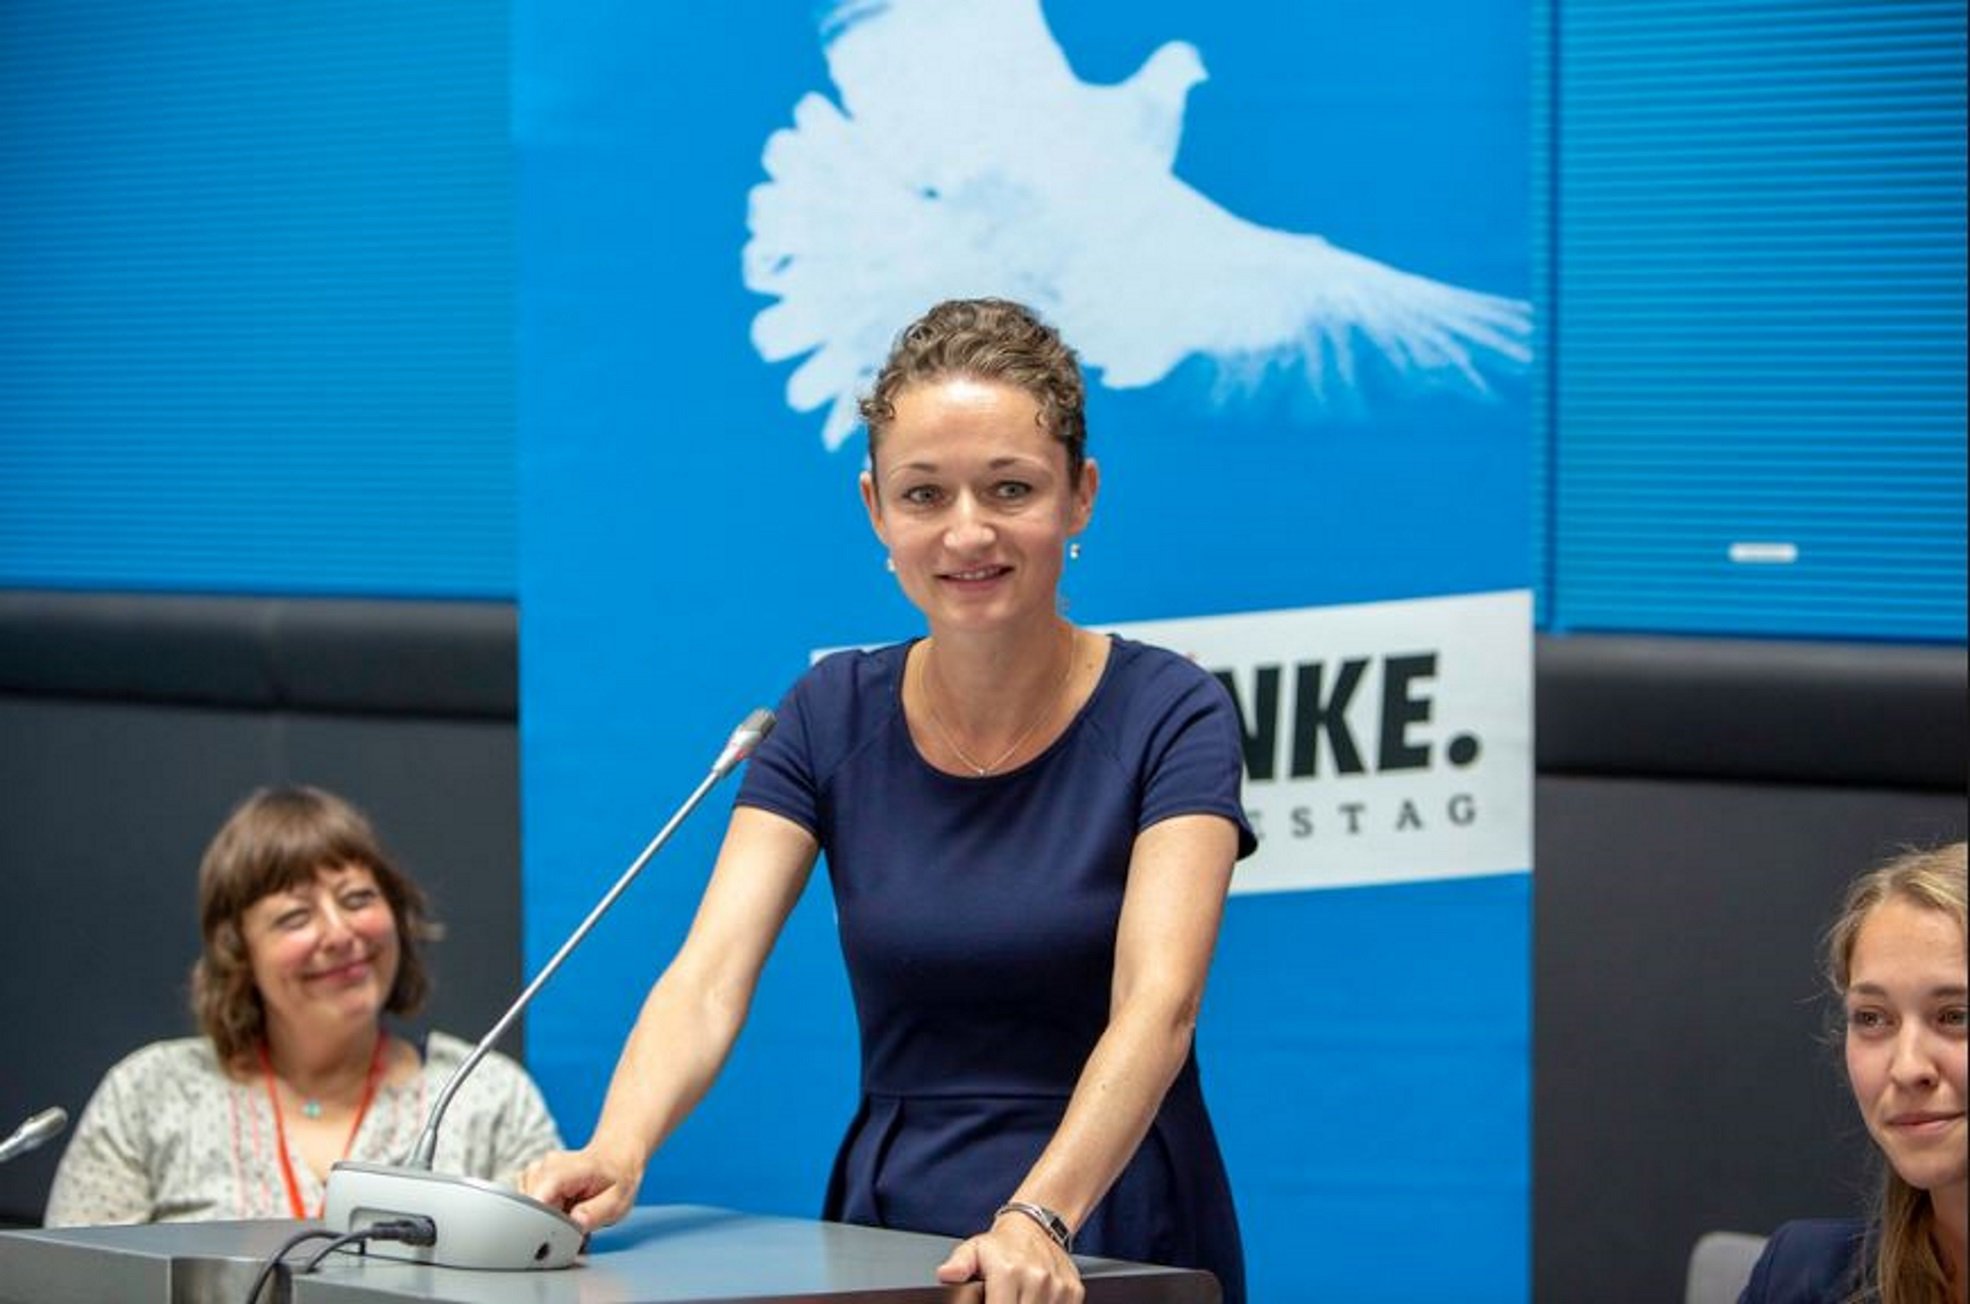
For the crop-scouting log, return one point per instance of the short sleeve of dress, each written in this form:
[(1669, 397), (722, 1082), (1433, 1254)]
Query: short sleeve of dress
[(780, 776), (837, 707), (1193, 757), (104, 1174)]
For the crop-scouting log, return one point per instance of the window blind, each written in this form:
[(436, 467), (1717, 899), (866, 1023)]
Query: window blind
[(1758, 318), (256, 297)]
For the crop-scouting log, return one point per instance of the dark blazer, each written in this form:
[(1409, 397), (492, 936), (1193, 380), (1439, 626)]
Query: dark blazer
[(1811, 1261)]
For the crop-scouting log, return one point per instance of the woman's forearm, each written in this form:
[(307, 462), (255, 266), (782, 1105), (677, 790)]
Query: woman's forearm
[(1119, 1091), (680, 1042), (692, 1016), (1168, 930)]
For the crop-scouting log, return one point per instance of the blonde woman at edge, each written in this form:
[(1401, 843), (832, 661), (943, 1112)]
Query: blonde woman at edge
[(1896, 958)]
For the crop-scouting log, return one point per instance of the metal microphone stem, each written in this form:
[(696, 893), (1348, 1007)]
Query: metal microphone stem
[(427, 1140), (474, 1223)]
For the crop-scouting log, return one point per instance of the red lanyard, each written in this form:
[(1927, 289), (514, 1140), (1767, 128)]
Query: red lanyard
[(294, 1203)]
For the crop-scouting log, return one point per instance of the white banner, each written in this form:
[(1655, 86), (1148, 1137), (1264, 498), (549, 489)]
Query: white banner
[(1385, 742)]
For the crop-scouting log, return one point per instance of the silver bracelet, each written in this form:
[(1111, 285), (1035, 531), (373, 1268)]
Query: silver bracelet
[(1050, 1222)]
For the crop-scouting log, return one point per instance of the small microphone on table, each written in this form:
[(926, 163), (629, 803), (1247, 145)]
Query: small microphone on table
[(39, 1130), (481, 1224)]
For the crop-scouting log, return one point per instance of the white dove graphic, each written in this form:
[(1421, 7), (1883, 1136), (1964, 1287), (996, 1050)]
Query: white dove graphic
[(966, 158)]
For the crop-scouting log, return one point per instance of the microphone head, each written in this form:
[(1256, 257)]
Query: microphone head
[(47, 1124), (43, 1127), (749, 735), (757, 725)]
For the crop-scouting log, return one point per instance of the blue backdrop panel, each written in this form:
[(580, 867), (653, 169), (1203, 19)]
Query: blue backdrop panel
[(1365, 1053), (690, 530)]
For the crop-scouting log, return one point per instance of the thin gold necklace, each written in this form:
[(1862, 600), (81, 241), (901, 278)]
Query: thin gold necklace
[(985, 771)]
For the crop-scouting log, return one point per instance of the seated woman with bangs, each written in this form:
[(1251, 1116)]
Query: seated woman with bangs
[(311, 935)]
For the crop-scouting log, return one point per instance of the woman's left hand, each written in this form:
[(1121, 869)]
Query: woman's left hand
[(1019, 1264)]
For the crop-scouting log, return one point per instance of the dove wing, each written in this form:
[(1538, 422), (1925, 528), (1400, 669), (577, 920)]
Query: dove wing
[(1175, 275)]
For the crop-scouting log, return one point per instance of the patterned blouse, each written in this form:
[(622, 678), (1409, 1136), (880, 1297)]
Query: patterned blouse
[(169, 1136)]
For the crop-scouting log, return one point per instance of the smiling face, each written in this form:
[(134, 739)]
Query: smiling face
[(1905, 1003), (972, 496), (323, 952)]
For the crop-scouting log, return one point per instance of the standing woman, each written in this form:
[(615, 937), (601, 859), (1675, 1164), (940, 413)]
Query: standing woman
[(1896, 958), (1030, 831)]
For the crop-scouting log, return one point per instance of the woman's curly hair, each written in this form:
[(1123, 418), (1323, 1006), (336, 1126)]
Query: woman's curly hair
[(993, 340)]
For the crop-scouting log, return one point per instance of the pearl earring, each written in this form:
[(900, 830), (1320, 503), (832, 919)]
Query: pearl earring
[(1074, 551), (889, 564)]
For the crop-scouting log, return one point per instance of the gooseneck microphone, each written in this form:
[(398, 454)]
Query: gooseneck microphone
[(750, 733), (482, 1224), (39, 1130)]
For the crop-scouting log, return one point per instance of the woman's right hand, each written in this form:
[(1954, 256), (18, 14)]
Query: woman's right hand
[(589, 1185)]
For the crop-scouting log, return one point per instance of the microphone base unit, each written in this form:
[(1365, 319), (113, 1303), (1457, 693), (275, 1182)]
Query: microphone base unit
[(479, 1224)]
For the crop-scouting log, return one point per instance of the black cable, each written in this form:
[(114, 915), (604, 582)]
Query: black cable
[(272, 1261), (346, 1239), (411, 1231)]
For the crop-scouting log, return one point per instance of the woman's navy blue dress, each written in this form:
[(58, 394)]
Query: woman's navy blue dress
[(978, 920)]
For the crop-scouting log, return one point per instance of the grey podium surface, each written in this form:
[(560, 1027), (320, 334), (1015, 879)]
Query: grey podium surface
[(668, 1254)]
